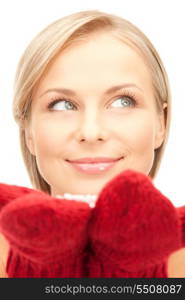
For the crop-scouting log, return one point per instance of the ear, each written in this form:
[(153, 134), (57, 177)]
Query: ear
[(29, 140), (161, 128)]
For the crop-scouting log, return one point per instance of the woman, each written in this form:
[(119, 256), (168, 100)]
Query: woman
[(92, 100)]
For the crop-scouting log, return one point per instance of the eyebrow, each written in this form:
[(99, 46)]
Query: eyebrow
[(70, 92)]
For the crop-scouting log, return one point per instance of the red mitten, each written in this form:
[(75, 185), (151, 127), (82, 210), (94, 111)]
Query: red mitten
[(11, 192), (47, 236), (181, 213), (133, 229)]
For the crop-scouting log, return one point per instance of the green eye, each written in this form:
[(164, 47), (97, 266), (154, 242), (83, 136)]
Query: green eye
[(124, 101), (62, 104)]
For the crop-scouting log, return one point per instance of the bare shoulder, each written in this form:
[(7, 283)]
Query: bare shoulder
[(4, 248), (176, 264)]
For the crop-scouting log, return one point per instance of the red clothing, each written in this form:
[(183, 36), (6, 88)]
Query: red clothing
[(130, 232)]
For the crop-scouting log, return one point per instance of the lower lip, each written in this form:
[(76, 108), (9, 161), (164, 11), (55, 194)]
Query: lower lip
[(93, 168)]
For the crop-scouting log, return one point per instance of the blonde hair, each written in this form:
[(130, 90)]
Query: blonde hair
[(58, 36)]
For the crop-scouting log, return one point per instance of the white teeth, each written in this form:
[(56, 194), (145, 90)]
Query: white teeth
[(102, 168), (87, 168)]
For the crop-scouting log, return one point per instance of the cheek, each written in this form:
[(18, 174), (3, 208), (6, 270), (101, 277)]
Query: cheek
[(138, 133), (142, 137), (48, 141), (47, 138), (139, 140)]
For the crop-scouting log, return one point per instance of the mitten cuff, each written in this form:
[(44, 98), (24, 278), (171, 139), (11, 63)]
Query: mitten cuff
[(99, 268), (19, 266)]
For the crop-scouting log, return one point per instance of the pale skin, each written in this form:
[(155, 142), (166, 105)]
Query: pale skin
[(94, 123), (91, 122)]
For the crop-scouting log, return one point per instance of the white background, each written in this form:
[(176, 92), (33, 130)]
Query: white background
[(162, 21)]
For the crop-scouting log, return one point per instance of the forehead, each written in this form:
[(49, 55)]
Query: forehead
[(100, 61)]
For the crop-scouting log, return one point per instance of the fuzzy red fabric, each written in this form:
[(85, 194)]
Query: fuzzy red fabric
[(133, 229), (130, 233), (47, 236)]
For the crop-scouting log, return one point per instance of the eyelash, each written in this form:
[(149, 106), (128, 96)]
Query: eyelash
[(127, 94)]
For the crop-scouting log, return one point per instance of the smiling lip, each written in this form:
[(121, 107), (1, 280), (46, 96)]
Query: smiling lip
[(94, 160), (94, 165)]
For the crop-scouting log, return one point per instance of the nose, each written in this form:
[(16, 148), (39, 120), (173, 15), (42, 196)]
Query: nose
[(92, 129)]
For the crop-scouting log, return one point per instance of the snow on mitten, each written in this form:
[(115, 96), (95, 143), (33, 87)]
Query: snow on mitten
[(47, 236), (132, 230)]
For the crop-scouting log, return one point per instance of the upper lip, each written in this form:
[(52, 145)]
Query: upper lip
[(94, 160)]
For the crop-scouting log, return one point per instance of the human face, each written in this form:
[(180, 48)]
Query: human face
[(90, 122)]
